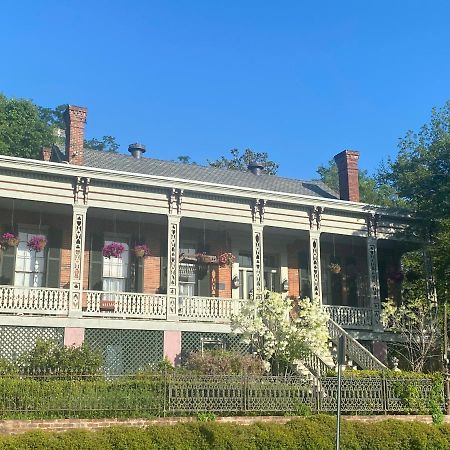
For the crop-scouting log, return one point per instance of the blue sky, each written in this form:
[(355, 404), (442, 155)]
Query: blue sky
[(300, 80)]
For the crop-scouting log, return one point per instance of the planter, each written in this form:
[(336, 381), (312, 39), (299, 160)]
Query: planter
[(141, 251), (8, 240), (37, 243), (335, 268)]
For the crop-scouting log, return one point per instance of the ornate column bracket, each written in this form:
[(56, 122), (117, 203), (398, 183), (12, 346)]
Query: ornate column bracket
[(258, 210), (372, 224), (374, 282), (315, 217), (315, 266), (77, 259), (258, 261), (430, 281), (81, 190), (173, 255), (175, 199)]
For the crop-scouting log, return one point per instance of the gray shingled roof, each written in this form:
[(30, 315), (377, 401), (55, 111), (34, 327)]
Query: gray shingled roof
[(148, 166)]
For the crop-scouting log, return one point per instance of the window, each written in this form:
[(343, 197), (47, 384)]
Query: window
[(115, 270), (30, 265)]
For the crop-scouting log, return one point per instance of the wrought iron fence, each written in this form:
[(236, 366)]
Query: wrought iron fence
[(42, 396)]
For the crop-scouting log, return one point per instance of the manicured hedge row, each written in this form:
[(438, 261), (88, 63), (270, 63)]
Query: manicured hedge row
[(307, 433)]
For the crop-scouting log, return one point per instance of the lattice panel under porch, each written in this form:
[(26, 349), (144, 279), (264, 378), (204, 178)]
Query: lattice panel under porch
[(126, 351), (14, 341), (191, 341)]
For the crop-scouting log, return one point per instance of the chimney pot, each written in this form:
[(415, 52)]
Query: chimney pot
[(136, 150), (256, 168), (347, 164), (75, 120)]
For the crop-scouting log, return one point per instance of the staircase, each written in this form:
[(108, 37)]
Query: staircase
[(356, 354)]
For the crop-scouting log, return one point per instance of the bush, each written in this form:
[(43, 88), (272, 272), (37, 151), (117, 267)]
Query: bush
[(217, 362), (313, 433)]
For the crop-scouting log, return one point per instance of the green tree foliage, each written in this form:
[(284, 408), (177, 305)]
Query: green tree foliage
[(53, 116), (105, 144), (372, 189), (23, 133), (240, 161), (421, 175)]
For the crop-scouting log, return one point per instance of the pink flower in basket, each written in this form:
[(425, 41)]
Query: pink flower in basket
[(113, 250), (37, 243), (141, 250), (8, 240), (226, 259)]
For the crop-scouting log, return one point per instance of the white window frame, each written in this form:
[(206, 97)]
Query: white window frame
[(116, 271)]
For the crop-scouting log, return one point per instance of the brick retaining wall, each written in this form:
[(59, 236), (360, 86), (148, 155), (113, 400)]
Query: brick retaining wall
[(21, 426)]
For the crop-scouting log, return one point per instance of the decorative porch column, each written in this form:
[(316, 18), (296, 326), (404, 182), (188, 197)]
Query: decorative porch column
[(372, 264), (258, 261), (80, 206), (315, 215), (77, 259), (173, 252), (431, 285)]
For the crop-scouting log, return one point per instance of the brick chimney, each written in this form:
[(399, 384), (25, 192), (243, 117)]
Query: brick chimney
[(347, 164), (75, 120)]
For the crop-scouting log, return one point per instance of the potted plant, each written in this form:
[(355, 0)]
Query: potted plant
[(141, 250), (113, 250), (226, 259), (334, 268), (37, 243), (8, 240)]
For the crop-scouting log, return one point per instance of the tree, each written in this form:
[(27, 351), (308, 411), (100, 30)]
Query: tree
[(185, 159), (418, 325), (22, 131), (282, 332), (421, 176), (240, 161), (371, 188), (105, 144)]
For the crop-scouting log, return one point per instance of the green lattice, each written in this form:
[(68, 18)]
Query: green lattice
[(14, 341), (126, 351)]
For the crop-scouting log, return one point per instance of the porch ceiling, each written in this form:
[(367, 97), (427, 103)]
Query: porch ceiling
[(34, 206)]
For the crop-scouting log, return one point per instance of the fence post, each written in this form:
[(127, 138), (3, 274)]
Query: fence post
[(384, 392), (165, 393)]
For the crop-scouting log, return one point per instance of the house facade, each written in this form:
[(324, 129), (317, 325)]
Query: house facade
[(290, 236)]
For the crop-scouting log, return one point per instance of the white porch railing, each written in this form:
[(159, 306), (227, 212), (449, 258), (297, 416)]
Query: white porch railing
[(24, 300), (208, 309), (349, 316), (125, 304)]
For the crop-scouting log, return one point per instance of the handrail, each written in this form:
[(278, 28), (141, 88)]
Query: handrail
[(315, 364), (356, 351)]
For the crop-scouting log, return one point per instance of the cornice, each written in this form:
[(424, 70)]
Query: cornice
[(114, 176)]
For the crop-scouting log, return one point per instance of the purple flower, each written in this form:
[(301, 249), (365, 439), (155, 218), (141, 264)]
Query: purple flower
[(141, 250), (37, 243), (113, 250)]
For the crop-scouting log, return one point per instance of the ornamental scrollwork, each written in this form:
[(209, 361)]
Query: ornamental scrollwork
[(315, 217), (175, 199)]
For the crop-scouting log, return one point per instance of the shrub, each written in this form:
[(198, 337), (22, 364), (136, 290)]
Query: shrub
[(217, 362)]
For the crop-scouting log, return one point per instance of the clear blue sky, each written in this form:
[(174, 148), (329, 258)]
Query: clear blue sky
[(301, 80)]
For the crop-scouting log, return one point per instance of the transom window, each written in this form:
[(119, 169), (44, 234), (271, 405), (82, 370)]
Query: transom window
[(30, 265)]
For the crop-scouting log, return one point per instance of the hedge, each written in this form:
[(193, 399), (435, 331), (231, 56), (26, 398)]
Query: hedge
[(304, 433)]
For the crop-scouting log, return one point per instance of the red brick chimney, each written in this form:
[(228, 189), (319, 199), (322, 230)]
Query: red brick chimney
[(347, 164), (75, 120)]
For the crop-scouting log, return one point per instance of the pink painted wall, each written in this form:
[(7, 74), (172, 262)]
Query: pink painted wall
[(172, 345), (73, 337)]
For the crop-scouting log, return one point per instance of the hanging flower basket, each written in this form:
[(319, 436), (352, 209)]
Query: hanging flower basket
[(113, 250), (37, 243), (203, 258), (396, 276), (8, 240), (141, 251), (226, 259), (335, 268)]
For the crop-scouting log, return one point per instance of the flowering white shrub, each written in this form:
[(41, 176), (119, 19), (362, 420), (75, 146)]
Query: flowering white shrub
[(282, 330)]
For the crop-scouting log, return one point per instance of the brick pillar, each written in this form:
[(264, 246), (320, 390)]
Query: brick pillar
[(347, 164), (152, 264), (172, 346), (293, 274), (75, 120), (380, 351)]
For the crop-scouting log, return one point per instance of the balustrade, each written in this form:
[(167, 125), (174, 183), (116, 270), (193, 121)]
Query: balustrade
[(24, 300), (349, 316), (208, 309)]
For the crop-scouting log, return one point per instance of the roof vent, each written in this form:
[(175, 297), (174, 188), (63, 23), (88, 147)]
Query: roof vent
[(256, 168), (137, 150)]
